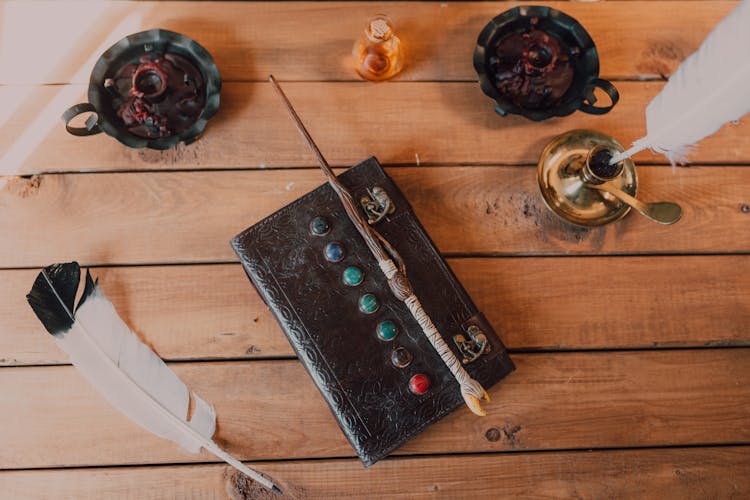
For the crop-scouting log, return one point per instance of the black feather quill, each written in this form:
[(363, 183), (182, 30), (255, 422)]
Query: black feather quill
[(122, 368), (53, 296)]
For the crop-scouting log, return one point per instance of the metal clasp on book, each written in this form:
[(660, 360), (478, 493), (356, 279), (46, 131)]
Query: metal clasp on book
[(474, 346), (377, 205)]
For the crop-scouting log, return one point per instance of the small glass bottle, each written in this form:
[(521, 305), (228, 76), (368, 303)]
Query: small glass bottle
[(377, 54)]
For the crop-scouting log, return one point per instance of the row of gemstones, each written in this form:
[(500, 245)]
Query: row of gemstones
[(369, 304)]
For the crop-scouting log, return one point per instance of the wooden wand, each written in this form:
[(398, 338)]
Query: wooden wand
[(471, 390)]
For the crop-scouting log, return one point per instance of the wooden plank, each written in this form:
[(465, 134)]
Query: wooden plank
[(270, 410), (212, 312), (667, 473), (190, 216), (401, 123), (313, 41)]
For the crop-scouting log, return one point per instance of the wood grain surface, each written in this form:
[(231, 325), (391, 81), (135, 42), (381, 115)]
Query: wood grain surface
[(313, 41), (408, 123), (212, 312), (271, 410), (657, 473), (189, 217), (631, 340)]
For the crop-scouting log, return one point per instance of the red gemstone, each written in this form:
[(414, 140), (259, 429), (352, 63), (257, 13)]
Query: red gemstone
[(419, 383)]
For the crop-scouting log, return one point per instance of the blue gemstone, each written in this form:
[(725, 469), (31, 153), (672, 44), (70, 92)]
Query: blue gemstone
[(334, 251)]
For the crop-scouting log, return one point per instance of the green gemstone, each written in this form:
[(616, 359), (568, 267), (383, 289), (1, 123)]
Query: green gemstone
[(353, 276), (387, 330), (368, 303)]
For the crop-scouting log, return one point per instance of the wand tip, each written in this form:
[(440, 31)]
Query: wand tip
[(475, 404), (277, 490)]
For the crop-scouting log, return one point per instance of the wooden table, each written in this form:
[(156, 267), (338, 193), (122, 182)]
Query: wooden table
[(631, 340)]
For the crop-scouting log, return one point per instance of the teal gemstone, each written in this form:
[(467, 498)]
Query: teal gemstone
[(368, 303), (353, 276), (387, 330), (319, 226)]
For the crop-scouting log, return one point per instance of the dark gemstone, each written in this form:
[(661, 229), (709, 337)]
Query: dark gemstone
[(319, 226), (334, 251), (401, 358)]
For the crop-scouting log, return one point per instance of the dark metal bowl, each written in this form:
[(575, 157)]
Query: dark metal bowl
[(127, 51), (571, 37)]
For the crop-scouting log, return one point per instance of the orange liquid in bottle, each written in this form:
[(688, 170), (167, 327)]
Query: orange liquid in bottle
[(378, 54)]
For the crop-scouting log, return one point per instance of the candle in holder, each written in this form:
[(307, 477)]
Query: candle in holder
[(152, 89), (538, 62)]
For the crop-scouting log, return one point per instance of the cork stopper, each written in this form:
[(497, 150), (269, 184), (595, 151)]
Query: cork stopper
[(380, 28)]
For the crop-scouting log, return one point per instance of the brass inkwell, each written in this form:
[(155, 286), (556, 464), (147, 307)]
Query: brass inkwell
[(580, 184)]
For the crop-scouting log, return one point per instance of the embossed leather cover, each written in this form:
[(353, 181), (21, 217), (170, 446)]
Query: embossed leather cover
[(338, 344)]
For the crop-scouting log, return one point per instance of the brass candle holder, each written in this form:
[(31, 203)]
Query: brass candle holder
[(579, 184)]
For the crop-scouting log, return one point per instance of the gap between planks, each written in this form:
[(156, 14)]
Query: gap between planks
[(629, 473), (531, 302), (445, 124), (251, 40), (600, 400), (191, 216)]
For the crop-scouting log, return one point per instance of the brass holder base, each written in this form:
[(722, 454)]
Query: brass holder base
[(565, 179)]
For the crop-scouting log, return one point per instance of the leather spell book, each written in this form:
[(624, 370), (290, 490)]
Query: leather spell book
[(379, 374)]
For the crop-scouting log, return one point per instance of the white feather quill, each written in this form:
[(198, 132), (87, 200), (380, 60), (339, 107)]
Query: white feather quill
[(122, 368), (709, 89)]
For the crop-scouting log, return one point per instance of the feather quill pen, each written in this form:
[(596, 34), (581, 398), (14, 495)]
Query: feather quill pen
[(710, 88), (129, 375)]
